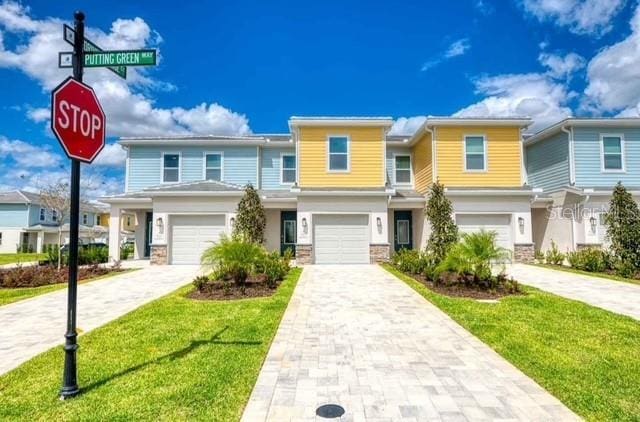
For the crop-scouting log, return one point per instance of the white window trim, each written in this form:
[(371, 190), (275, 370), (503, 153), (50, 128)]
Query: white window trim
[(42, 214), (622, 153), (295, 167), (204, 164), (179, 154), (464, 156), (402, 154), (336, 135), (85, 218)]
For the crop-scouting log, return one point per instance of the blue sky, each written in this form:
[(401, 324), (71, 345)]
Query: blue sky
[(240, 67)]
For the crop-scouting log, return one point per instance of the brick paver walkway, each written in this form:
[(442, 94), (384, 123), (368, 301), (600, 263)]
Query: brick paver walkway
[(615, 296), (32, 326), (359, 337)]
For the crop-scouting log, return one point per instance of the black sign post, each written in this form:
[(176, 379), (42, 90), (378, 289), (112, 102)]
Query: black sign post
[(70, 378)]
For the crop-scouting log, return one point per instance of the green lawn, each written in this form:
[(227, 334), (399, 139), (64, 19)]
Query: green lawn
[(575, 271), (172, 359), (14, 295), (12, 258), (586, 357)]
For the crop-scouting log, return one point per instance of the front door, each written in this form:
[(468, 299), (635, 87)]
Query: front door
[(288, 223), (148, 234), (403, 229)]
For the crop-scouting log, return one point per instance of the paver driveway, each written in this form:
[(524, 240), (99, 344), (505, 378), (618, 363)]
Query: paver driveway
[(615, 296), (32, 326), (359, 337)]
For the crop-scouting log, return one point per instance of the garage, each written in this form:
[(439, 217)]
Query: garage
[(499, 223), (341, 239), (192, 234)]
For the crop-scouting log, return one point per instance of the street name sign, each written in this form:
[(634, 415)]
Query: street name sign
[(69, 35), (120, 58), (77, 120)]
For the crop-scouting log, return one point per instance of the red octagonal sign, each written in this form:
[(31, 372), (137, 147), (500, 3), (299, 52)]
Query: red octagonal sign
[(77, 120)]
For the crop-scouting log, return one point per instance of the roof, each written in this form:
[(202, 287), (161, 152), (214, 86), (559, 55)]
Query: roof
[(297, 121), (198, 188), (517, 121), (18, 197), (583, 122)]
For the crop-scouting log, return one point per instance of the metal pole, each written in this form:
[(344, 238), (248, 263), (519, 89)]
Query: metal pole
[(70, 378)]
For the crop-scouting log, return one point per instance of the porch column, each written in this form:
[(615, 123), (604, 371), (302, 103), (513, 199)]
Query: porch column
[(139, 233), (114, 234), (39, 242)]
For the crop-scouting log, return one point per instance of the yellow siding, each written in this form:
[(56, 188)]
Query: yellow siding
[(367, 157), (503, 157), (422, 164), (104, 220)]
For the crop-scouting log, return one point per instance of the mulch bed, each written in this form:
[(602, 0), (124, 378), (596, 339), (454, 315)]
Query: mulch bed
[(44, 275), (216, 291), (461, 290)]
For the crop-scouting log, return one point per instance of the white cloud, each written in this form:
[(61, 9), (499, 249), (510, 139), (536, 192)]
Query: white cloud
[(592, 17), (25, 154), (406, 125), (112, 155), (39, 115), (561, 67), (129, 108), (612, 75), (455, 49)]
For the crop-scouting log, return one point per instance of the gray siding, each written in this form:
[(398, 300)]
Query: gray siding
[(270, 165), (391, 150), (548, 163), (14, 215)]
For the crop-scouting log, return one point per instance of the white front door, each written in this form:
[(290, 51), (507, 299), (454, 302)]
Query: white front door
[(192, 234), (499, 223), (341, 239)]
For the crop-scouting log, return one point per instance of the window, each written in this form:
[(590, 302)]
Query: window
[(402, 169), (54, 215), (85, 219), (288, 171), (402, 232), (213, 166), (43, 214), (98, 220), (170, 168), (338, 153), (0, 238), (474, 151), (612, 150), (129, 220)]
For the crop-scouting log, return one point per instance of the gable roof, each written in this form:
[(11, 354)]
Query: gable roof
[(515, 121), (582, 122)]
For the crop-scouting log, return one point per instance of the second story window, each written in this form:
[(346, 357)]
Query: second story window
[(475, 155), (402, 169), (338, 153), (612, 153), (288, 175), (43, 214), (213, 166), (170, 168), (54, 215), (85, 219), (98, 220)]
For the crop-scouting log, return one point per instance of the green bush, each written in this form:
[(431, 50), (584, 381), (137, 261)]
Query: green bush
[(590, 259), (444, 232), (126, 251), (473, 256), (200, 282), (554, 256), (414, 262), (623, 229), (274, 268), (236, 257)]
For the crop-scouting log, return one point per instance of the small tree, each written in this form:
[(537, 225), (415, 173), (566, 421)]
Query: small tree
[(250, 220), (56, 198), (439, 212), (623, 228)]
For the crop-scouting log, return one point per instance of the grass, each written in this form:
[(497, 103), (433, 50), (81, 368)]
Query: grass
[(14, 258), (591, 274), (20, 293), (172, 359), (586, 357)]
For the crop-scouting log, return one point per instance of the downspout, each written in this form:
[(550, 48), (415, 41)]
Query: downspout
[(434, 162), (524, 179)]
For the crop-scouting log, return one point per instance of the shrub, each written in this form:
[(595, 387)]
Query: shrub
[(538, 256), (126, 251), (237, 257), (623, 229), (473, 256), (200, 282), (590, 259), (444, 232), (274, 268), (554, 256), (250, 219)]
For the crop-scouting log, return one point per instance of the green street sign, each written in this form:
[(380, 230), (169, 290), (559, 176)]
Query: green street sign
[(120, 58), (69, 35)]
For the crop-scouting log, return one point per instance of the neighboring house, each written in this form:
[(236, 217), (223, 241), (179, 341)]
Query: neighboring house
[(578, 162), (335, 190), (26, 225)]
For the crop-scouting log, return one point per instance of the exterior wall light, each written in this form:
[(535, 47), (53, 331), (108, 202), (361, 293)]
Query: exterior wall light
[(593, 221), (304, 224), (521, 224), (160, 225), (379, 224), (232, 222)]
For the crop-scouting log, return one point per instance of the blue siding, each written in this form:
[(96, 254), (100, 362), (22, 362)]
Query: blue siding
[(391, 150), (270, 165), (548, 163), (240, 165), (34, 215), (13, 215), (587, 158)]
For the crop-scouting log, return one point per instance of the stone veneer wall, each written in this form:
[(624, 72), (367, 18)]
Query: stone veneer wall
[(524, 252), (159, 255), (304, 254), (379, 252)]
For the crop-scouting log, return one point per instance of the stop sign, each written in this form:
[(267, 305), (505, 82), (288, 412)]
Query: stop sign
[(77, 120)]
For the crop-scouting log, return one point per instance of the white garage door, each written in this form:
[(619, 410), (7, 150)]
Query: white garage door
[(499, 223), (341, 239), (192, 234)]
